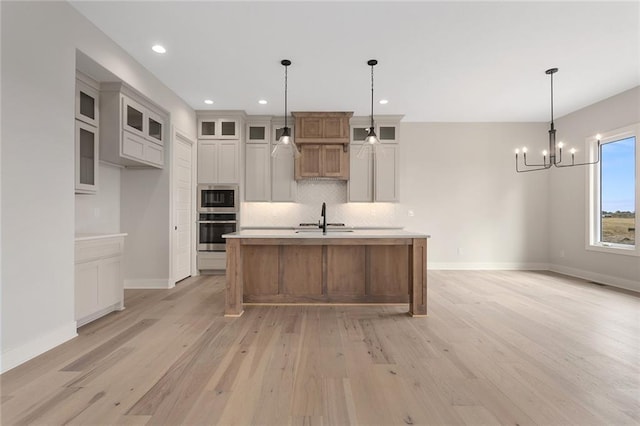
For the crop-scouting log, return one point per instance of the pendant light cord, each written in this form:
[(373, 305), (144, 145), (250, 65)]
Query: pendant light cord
[(285, 95), (371, 97)]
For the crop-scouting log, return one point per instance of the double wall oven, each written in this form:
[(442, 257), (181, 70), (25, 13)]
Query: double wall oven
[(218, 209)]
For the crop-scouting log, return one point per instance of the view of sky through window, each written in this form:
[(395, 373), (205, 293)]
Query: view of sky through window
[(618, 176)]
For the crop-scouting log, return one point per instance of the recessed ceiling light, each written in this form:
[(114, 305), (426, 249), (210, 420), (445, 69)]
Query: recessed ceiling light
[(158, 48), (262, 101), (383, 101), (208, 101)]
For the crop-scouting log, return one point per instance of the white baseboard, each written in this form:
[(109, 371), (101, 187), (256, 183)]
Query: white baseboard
[(596, 277), (461, 266), (154, 283), (13, 357)]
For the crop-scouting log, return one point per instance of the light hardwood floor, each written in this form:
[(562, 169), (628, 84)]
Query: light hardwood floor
[(512, 348)]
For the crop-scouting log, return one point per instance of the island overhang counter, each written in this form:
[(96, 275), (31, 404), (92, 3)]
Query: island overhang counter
[(339, 267)]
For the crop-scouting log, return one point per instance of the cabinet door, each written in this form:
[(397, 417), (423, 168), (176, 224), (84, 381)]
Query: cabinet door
[(283, 184), (154, 154), (110, 283), (133, 117), (207, 128), (310, 127), (155, 128), (309, 162), (86, 103), (334, 162), (207, 162), (257, 174), (388, 133), (228, 129), (86, 288), (335, 128), (86, 158), (360, 176), (386, 174), (228, 162), (257, 133)]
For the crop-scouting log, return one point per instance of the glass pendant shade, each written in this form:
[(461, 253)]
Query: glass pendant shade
[(285, 142), (371, 145)]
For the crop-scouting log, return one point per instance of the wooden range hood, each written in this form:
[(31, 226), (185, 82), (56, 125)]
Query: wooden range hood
[(323, 141)]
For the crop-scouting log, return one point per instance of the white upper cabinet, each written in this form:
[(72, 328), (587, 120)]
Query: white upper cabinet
[(218, 161), (86, 152), (219, 149), (258, 132), (87, 99), (86, 134), (133, 129), (375, 177), (257, 179), (218, 128)]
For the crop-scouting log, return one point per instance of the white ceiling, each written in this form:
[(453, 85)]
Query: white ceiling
[(438, 61)]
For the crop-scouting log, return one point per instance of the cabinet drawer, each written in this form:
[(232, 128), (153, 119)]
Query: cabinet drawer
[(215, 260), (97, 249)]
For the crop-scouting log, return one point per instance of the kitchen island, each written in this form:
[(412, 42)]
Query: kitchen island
[(339, 267)]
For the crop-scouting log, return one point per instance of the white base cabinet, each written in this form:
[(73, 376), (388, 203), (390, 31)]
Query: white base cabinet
[(99, 284)]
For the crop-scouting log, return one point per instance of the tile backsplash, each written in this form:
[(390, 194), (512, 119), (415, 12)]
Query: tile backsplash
[(310, 195)]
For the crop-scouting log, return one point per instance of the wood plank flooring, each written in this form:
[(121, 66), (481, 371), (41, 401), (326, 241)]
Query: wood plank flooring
[(498, 347)]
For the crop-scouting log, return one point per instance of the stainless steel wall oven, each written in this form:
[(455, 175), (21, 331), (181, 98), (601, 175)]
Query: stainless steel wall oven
[(211, 228)]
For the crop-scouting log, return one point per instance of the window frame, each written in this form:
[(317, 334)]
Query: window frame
[(593, 197)]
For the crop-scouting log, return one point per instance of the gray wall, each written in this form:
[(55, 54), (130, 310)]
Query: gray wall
[(568, 192), (39, 42)]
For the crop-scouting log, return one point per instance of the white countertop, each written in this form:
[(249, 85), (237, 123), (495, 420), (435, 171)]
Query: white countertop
[(356, 233), (97, 236)]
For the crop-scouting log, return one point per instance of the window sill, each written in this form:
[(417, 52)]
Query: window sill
[(614, 249)]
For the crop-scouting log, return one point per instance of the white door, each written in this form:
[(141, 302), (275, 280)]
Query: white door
[(183, 189)]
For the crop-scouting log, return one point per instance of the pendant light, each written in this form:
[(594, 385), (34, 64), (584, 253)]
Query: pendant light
[(371, 143), (286, 141), (553, 160)]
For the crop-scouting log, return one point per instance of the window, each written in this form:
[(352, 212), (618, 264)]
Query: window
[(614, 193)]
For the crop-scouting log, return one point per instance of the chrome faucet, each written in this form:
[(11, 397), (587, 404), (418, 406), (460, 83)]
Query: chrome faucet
[(323, 213)]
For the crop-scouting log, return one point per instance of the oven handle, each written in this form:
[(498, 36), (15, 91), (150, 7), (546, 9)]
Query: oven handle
[(217, 221)]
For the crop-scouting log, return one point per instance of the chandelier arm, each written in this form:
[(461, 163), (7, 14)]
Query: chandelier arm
[(531, 170), (533, 165), (596, 161)]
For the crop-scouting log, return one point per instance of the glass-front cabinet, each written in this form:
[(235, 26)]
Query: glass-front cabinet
[(86, 174), (86, 134), (218, 128), (86, 100)]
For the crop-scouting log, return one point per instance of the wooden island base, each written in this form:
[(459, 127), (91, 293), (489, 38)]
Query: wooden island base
[(326, 270)]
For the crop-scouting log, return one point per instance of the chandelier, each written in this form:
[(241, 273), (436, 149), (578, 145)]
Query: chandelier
[(554, 153)]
